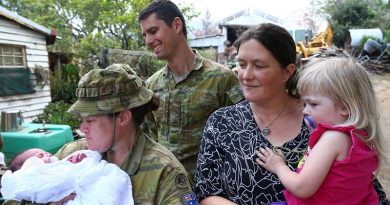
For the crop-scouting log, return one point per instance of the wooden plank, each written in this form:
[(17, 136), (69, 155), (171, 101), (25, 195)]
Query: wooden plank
[(20, 30), (16, 98), (29, 112), (39, 52), (31, 64), (24, 102), (36, 58), (7, 23), (29, 45), (20, 38), (28, 106)]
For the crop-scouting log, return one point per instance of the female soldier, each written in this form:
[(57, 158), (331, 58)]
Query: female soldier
[(112, 103)]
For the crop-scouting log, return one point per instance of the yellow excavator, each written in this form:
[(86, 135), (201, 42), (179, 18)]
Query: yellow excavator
[(321, 40)]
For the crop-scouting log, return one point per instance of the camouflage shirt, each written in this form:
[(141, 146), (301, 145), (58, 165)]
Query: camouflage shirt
[(156, 175), (185, 106)]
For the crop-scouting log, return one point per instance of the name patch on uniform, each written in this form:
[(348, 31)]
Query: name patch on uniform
[(189, 199)]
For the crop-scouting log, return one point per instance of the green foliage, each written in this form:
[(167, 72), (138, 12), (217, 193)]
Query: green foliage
[(64, 84), (85, 26), (355, 14), (56, 113), (94, 43), (148, 64), (363, 41)]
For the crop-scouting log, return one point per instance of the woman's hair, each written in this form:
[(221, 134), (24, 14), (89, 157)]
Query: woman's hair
[(348, 84), (281, 45), (139, 113)]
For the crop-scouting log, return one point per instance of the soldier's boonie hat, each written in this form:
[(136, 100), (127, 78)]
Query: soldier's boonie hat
[(110, 90)]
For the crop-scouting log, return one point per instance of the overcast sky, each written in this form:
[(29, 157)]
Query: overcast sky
[(289, 10)]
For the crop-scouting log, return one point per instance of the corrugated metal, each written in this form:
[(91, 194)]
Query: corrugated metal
[(249, 17)]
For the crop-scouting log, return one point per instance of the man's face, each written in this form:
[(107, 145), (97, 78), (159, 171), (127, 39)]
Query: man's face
[(159, 37)]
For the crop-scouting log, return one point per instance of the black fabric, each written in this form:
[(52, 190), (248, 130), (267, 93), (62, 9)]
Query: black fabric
[(14, 81), (226, 164)]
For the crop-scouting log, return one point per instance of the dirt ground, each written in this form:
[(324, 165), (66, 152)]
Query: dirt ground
[(382, 89)]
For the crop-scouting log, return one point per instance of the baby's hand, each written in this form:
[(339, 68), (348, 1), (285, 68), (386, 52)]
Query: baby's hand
[(77, 157), (270, 160)]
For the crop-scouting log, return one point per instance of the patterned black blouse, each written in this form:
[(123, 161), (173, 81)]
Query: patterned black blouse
[(226, 164)]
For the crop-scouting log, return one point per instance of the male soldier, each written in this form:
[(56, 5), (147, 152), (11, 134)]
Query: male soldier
[(112, 103), (190, 87)]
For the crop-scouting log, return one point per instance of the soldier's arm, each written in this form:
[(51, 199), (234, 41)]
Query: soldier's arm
[(232, 93), (176, 189), (71, 147)]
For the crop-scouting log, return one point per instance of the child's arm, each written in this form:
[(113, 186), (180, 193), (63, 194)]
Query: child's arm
[(332, 145)]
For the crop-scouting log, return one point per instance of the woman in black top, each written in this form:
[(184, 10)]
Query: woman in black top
[(271, 116)]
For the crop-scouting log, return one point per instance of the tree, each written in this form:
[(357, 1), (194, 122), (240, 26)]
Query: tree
[(348, 14), (313, 15), (87, 26), (208, 26)]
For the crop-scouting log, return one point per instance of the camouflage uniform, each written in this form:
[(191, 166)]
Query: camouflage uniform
[(157, 176), (185, 106)]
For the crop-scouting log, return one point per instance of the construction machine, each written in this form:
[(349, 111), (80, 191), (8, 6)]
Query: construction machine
[(321, 40)]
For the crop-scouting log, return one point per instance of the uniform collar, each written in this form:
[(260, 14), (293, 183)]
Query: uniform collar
[(198, 63), (134, 157)]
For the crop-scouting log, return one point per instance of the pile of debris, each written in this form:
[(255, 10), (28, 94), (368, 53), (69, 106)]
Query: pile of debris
[(377, 64)]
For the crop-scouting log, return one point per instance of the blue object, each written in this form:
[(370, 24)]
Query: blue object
[(278, 203), (311, 124)]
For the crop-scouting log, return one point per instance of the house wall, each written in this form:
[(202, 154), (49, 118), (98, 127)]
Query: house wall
[(36, 55)]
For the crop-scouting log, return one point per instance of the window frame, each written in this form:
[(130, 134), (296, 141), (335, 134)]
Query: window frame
[(15, 78), (13, 55)]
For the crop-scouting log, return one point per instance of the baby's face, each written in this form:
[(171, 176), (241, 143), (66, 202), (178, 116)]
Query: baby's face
[(45, 156)]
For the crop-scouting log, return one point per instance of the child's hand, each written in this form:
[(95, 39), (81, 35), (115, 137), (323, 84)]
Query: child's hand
[(77, 157), (270, 160)]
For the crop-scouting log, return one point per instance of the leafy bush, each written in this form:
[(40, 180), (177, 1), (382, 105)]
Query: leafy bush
[(57, 113), (64, 84), (148, 64)]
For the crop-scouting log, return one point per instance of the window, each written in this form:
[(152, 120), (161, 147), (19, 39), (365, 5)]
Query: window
[(15, 77), (12, 56)]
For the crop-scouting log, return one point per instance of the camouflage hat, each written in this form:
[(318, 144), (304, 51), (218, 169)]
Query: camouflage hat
[(110, 90)]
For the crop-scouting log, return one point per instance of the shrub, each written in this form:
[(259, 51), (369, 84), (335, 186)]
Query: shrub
[(64, 84), (57, 113)]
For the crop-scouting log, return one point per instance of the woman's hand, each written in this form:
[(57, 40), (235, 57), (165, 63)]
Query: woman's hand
[(64, 200), (270, 160)]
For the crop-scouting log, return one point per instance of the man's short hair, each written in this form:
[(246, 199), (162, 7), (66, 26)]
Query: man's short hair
[(165, 10)]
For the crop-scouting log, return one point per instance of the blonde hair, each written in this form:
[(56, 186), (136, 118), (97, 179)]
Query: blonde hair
[(347, 83)]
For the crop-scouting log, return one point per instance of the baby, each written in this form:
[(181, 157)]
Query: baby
[(35, 156), (37, 176)]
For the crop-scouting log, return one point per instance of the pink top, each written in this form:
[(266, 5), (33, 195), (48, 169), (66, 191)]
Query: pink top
[(349, 181)]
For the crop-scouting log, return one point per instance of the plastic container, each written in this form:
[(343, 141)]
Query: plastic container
[(50, 137), (371, 46)]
